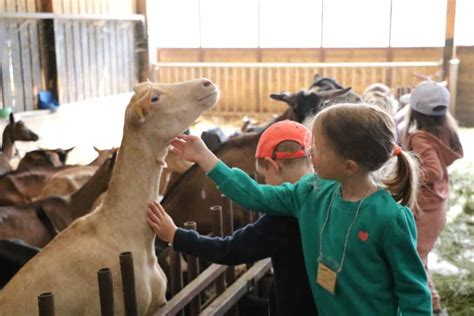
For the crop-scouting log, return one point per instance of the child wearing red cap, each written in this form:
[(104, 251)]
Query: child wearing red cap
[(431, 133), (281, 156), (359, 243)]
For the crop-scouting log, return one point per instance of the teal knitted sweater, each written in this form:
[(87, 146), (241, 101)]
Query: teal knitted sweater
[(382, 273)]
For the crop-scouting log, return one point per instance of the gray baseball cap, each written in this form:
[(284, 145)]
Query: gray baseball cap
[(430, 98)]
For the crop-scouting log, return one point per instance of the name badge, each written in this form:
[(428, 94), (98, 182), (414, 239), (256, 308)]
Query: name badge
[(326, 278)]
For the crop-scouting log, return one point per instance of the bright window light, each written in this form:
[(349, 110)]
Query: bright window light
[(418, 23), (229, 23), (464, 28), (173, 23), (356, 23), (294, 23)]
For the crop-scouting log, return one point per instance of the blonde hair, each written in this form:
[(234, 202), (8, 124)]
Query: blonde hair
[(366, 134)]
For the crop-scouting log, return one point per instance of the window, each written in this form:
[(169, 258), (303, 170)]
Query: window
[(418, 23), (361, 23), (294, 23), (173, 23), (463, 30), (229, 23)]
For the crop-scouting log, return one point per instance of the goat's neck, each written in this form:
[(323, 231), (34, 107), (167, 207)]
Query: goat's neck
[(133, 185), (7, 143)]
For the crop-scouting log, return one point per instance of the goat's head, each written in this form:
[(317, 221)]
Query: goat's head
[(19, 131), (306, 103), (164, 110)]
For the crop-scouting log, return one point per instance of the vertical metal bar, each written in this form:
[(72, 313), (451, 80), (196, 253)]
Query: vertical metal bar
[(128, 284), (46, 304), (216, 211), (193, 272), (176, 277), (106, 292)]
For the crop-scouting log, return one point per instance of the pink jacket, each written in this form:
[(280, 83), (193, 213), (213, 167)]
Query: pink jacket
[(435, 156)]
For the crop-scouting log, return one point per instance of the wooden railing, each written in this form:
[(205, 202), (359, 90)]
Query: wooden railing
[(245, 87)]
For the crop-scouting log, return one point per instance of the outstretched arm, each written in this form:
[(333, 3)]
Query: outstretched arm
[(236, 184), (248, 244)]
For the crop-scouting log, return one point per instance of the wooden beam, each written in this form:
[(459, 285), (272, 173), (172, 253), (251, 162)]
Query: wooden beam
[(449, 51), (191, 290), (141, 43), (238, 289), (81, 17)]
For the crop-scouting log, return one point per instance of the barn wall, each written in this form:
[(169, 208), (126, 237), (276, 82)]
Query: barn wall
[(300, 55), (465, 89), (75, 58)]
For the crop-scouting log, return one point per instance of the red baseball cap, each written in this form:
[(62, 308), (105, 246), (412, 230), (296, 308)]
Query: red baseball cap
[(280, 132)]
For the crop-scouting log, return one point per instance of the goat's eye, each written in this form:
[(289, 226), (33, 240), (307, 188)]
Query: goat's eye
[(155, 98)]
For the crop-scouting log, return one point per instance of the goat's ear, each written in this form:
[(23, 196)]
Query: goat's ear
[(316, 77), (142, 105), (283, 96), (97, 150), (69, 149), (331, 94), (12, 118)]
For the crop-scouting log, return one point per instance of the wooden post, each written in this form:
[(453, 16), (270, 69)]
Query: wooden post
[(449, 51), (193, 272), (141, 43), (49, 75), (453, 83), (216, 213)]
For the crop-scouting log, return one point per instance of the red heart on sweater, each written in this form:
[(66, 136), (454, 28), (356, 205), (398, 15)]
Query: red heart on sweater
[(363, 235)]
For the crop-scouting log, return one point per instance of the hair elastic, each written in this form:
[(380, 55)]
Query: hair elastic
[(397, 150)]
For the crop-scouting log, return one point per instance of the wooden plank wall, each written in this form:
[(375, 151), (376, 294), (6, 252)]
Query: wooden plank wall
[(316, 55), (94, 58), (20, 78), (465, 89), (245, 88)]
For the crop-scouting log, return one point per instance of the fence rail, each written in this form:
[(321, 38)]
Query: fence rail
[(245, 87)]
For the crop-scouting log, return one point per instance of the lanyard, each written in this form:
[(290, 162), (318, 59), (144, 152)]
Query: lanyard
[(348, 230)]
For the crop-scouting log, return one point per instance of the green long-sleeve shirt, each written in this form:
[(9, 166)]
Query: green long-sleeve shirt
[(382, 273)]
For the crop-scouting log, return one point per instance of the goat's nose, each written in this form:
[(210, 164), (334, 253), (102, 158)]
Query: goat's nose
[(206, 83)]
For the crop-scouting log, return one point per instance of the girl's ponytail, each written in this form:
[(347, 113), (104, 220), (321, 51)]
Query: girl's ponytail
[(402, 179)]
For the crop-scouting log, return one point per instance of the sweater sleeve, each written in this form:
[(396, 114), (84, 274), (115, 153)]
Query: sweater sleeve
[(411, 283), (269, 199), (248, 244), (431, 167)]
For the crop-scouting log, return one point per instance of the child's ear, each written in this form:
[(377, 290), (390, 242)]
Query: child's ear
[(273, 164), (350, 167)]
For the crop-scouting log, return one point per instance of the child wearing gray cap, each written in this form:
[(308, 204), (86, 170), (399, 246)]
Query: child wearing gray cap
[(431, 133)]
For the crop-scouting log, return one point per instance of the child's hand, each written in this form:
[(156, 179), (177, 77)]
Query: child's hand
[(192, 148), (160, 222)]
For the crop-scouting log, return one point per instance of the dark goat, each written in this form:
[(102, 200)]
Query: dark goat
[(328, 84), (13, 255)]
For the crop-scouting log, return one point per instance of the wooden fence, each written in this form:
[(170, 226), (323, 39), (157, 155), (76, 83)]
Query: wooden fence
[(245, 87), (78, 56)]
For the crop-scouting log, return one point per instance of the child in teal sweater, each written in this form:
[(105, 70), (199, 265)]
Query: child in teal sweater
[(359, 243)]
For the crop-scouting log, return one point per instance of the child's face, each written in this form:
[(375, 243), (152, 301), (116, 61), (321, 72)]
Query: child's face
[(327, 163)]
